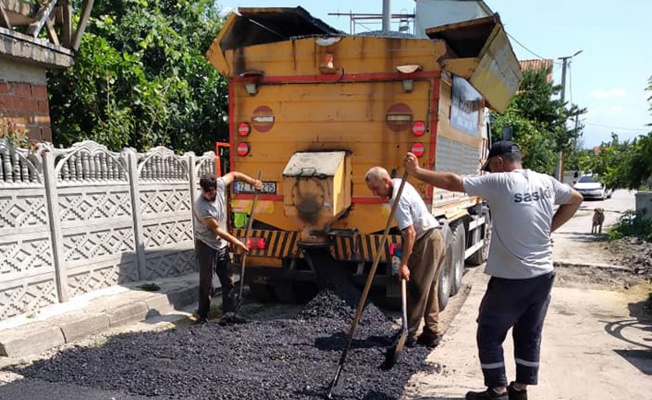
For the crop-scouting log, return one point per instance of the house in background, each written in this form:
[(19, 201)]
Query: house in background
[(34, 38)]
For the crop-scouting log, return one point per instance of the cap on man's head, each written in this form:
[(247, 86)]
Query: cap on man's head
[(501, 148)]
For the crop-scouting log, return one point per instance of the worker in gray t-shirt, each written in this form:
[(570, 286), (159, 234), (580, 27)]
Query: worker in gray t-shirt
[(520, 260), (211, 242)]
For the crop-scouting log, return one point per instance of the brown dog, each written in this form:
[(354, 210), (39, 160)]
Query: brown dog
[(598, 219)]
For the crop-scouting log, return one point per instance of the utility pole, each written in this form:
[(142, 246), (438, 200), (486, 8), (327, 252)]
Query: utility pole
[(387, 16), (559, 171)]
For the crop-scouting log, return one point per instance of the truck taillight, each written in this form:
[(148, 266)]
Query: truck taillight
[(418, 149), (244, 129), (393, 248), (243, 149), (419, 128), (256, 243)]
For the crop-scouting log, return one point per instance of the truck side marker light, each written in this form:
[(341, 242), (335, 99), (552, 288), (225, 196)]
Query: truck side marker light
[(256, 243), (244, 129), (408, 85), (418, 149), (419, 128), (243, 149), (251, 88)]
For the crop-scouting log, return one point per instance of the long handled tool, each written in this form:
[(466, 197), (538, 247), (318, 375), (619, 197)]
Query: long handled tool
[(250, 223), (394, 351), (367, 286)]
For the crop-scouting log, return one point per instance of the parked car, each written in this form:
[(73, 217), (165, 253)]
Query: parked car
[(590, 187)]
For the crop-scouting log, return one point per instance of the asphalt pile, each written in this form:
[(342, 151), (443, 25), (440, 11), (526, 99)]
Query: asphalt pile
[(291, 358)]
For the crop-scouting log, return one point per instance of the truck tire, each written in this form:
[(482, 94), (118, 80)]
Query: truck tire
[(444, 279), (262, 292), (458, 248), (481, 255), (284, 292)]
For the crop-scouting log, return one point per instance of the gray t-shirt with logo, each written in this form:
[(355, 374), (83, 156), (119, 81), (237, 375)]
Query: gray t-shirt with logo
[(215, 209), (412, 210), (521, 204)]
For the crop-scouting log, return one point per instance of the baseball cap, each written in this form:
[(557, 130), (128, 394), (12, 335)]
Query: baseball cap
[(501, 148)]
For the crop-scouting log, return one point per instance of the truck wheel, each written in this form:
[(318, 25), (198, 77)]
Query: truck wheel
[(284, 292), (457, 269), (263, 293), (481, 255), (444, 280)]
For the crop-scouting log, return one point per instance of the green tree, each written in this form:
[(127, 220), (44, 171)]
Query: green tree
[(626, 164), (538, 121), (140, 78)]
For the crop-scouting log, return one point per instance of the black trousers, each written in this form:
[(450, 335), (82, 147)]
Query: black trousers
[(520, 304), (211, 260)]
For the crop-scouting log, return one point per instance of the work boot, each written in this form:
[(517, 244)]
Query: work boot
[(410, 342), (488, 394), (200, 321), (429, 340), (515, 394), (231, 318)]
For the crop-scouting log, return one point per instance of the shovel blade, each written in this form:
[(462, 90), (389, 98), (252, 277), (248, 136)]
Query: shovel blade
[(394, 352)]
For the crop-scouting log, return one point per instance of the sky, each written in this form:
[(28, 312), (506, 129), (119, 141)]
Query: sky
[(608, 77)]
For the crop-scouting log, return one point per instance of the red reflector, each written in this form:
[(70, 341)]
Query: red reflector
[(244, 129), (418, 149), (419, 128), (256, 243), (243, 149)]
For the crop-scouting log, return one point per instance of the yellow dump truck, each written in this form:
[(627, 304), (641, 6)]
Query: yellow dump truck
[(314, 108)]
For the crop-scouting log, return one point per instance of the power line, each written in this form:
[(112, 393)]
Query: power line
[(616, 127), (528, 50)]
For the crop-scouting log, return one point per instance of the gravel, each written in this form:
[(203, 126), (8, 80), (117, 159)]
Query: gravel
[(288, 358)]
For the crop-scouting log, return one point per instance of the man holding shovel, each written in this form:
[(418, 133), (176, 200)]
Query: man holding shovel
[(422, 252), (212, 243)]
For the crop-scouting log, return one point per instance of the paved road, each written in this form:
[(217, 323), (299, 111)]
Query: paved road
[(593, 346), (574, 241)]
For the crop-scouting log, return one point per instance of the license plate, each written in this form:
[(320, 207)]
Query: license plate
[(245, 188)]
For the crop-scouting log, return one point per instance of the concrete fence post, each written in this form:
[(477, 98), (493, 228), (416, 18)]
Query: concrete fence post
[(52, 199), (191, 159), (132, 168)]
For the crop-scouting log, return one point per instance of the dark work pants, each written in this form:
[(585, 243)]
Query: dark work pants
[(520, 304), (211, 260)]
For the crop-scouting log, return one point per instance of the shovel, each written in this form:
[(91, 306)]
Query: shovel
[(244, 254), (394, 351), (367, 286)]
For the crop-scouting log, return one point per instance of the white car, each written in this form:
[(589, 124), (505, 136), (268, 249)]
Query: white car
[(589, 187)]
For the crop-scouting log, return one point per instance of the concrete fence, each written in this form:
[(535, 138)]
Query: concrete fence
[(80, 219)]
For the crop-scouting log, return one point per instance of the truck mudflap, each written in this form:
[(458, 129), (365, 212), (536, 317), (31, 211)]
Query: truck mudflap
[(351, 247)]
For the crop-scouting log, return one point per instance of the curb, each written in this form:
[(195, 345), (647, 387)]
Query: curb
[(98, 315)]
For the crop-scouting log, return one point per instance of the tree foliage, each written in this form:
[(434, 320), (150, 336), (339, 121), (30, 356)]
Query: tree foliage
[(140, 78), (538, 121), (626, 164)]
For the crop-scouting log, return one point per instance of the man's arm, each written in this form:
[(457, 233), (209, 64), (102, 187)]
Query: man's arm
[(443, 180), (409, 237), (212, 224), (240, 177), (566, 210)]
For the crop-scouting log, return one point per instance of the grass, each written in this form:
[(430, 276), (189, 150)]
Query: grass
[(150, 287), (633, 225)]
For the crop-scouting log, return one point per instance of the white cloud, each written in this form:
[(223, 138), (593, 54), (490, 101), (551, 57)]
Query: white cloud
[(606, 94)]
